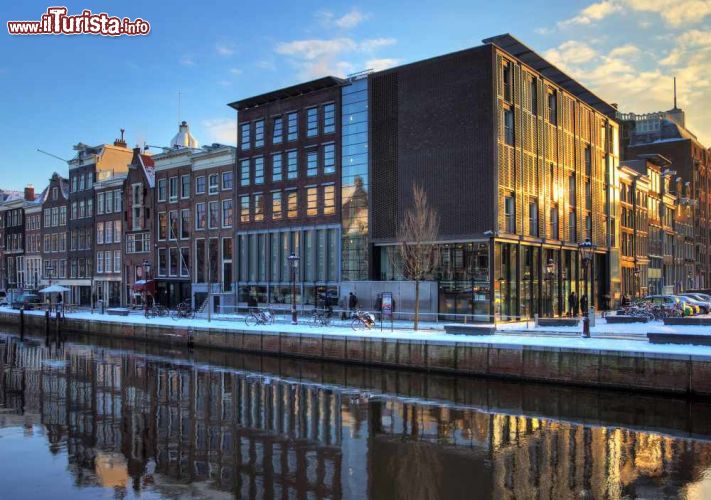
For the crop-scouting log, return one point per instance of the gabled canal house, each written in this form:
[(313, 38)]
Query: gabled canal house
[(173, 208), (109, 205), (55, 239), (138, 255), (212, 233), (84, 169)]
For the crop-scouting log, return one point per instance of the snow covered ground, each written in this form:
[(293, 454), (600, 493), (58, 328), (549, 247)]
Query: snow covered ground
[(617, 337)]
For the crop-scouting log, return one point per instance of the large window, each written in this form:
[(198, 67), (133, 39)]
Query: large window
[(329, 199), (533, 218), (292, 204), (510, 214), (329, 118), (553, 107), (572, 226), (227, 180), (162, 226), (173, 188), (162, 189), (292, 165), (259, 133), (329, 158), (278, 130), (200, 216), (227, 213), (162, 262), (572, 186), (227, 263), (258, 207), (311, 201), (173, 225), (292, 126), (244, 136), (555, 231), (276, 206), (108, 202), (244, 208), (184, 261), (214, 217), (185, 186), (200, 261), (312, 162), (509, 127), (259, 170), (185, 223), (100, 203), (244, 172), (214, 183), (200, 185), (276, 167), (312, 122)]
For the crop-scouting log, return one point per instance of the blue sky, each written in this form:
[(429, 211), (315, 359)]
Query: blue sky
[(56, 91)]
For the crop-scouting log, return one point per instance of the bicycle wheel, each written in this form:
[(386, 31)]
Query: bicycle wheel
[(356, 324), (251, 320), (175, 314)]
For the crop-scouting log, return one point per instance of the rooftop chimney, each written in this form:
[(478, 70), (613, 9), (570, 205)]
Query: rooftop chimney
[(121, 142), (30, 193)]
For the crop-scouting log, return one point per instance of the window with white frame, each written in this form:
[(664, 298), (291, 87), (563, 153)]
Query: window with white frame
[(227, 212), (214, 184)]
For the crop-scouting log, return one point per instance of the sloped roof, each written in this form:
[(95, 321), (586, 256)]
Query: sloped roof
[(516, 48)]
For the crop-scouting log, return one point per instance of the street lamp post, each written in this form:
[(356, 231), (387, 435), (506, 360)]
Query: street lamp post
[(550, 275), (586, 254), (146, 270), (294, 261)]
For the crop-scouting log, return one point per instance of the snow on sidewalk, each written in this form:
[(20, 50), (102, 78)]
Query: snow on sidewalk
[(509, 336)]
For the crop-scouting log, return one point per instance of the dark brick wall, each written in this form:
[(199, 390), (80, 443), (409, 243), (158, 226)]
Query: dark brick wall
[(432, 123)]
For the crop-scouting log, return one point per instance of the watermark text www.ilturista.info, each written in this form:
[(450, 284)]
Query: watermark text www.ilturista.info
[(56, 22)]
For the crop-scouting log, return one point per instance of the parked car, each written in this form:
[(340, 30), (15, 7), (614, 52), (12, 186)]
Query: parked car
[(691, 303), (702, 299), (28, 300)]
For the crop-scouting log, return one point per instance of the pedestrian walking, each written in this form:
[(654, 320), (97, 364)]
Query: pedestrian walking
[(584, 305), (573, 303), (352, 301)]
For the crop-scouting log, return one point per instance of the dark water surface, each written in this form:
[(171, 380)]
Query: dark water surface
[(109, 419)]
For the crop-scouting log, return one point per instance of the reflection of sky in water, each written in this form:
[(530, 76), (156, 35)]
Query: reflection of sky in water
[(160, 427)]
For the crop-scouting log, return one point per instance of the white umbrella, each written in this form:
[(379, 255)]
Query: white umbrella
[(54, 289)]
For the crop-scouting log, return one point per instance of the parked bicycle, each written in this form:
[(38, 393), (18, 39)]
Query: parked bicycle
[(184, 310), (258, 316), (362, 320), (321, 317), (158, 311)]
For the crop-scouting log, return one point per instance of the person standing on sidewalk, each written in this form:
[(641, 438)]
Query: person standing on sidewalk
[(573, 304)]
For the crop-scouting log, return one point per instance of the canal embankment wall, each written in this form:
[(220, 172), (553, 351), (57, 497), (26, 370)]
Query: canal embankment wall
[(623, 369)]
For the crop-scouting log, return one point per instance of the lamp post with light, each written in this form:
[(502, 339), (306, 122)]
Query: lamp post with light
[(586, 254), (294, 266)]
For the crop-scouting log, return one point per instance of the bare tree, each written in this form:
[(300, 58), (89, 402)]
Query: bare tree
[(418, 251)]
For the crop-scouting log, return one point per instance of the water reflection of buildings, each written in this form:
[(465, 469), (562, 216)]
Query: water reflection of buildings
[(134, 421), (526, 457)]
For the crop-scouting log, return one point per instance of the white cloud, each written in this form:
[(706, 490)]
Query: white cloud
[(318, 57), (236, 71), (187, 61), (350, 20), (222, 130), (591, 13), (375, 43), (570, 52), (224, 49), (381, 64), (627, 50), (676, 12)]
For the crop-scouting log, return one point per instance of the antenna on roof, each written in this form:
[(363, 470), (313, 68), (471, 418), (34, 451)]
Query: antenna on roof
[(674, 92), (53, 156)]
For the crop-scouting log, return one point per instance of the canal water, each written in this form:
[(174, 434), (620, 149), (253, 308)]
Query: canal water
[(110, 419)]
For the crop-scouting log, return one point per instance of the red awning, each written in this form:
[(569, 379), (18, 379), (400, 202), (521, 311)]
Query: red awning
[(144, 286)]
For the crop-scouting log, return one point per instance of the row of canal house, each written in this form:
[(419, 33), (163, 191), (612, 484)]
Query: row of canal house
[(522, 163)]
